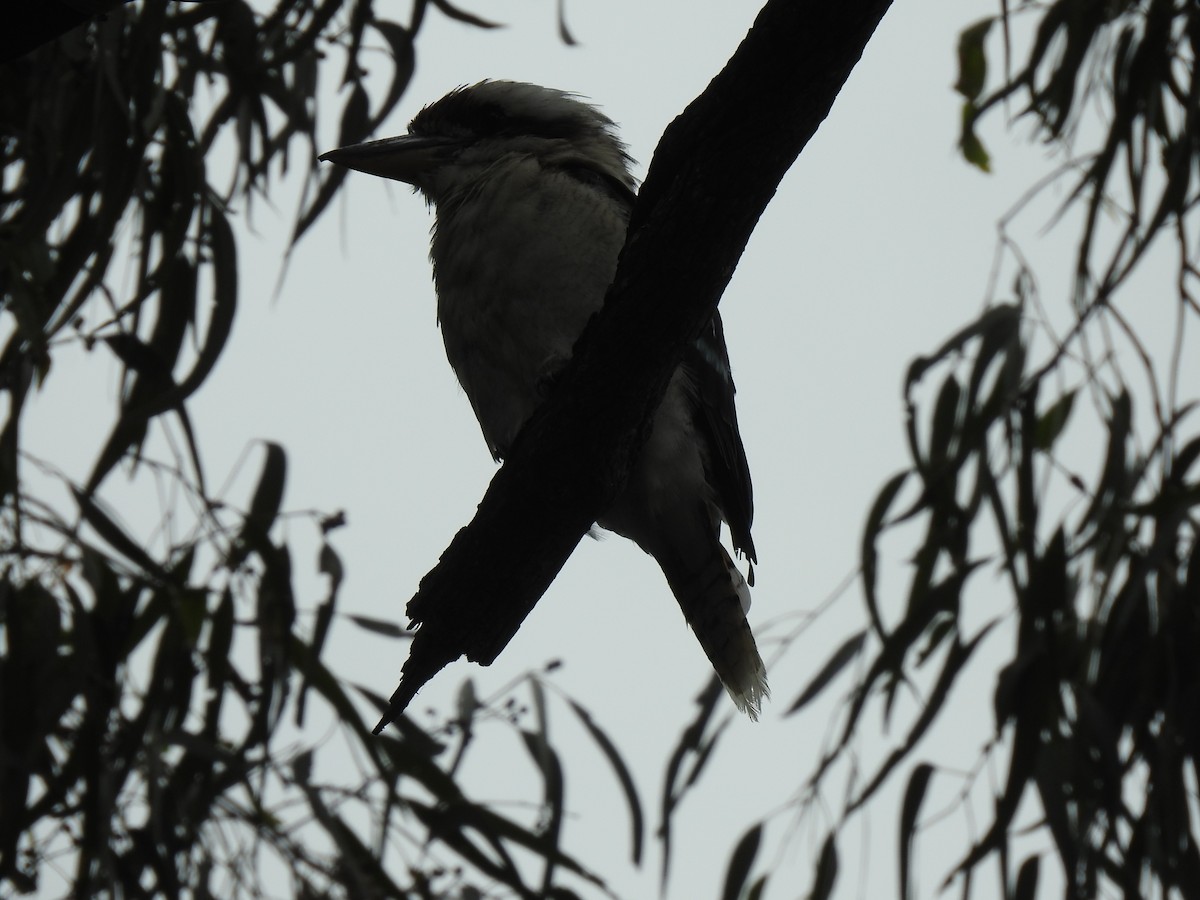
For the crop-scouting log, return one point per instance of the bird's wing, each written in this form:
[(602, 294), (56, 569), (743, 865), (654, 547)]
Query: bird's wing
[(706, 363)]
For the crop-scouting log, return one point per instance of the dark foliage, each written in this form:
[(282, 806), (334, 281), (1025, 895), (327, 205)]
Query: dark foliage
[(1095, 711), (153, 689)]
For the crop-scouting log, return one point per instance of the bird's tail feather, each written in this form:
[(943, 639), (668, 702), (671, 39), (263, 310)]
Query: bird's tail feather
[(714, 600)]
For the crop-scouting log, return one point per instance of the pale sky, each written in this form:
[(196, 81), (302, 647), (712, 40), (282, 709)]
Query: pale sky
[(878, 245)]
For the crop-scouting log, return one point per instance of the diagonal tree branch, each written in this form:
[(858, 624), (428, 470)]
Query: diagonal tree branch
[(715, 170)]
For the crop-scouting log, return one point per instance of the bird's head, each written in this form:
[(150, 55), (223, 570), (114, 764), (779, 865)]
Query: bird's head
[(455, 141)]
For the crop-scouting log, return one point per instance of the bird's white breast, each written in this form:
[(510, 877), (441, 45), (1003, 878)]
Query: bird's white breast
[(520, 266)]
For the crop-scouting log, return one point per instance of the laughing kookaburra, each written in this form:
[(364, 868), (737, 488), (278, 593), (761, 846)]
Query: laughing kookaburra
[(532, 194)]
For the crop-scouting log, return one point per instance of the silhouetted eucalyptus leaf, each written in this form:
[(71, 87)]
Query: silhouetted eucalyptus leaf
[(827, 871), (849, 649), (624, 778), (972, 59), (1051, 424), (462, 15), (379, 626), (871, 531), (918, 783), (741, 862), (691, 742), (944, 429), (117, 537), (1027, 879)]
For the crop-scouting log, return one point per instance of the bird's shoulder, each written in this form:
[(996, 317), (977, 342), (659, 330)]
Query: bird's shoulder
[(598, 179)]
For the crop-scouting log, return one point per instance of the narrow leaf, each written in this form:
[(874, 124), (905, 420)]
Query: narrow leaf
[(849, 649), (969, 143), (871, 531), (958, 657), (462, 15), (323, 682), (115, 535), (913, 795), (827, 870), (996, 337), (352, 854), (741, 862), (637, 823), (400, 40), (268, 496), (1052, 422), (224, 306), (379, 626), (1027, 879), (328, 563), (1003, 315), (944, 430), (972, 60), (216, 656), (445, 829), (355, 117), (553, 793), (691, 740), (564, 33)]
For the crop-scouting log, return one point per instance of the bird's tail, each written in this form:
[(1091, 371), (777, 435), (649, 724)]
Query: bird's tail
[(715, 599)]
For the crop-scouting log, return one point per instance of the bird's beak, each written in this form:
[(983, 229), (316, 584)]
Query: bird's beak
[(406, 158)]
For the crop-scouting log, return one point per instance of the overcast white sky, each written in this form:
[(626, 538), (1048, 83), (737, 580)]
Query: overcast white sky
[(878, 245)]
